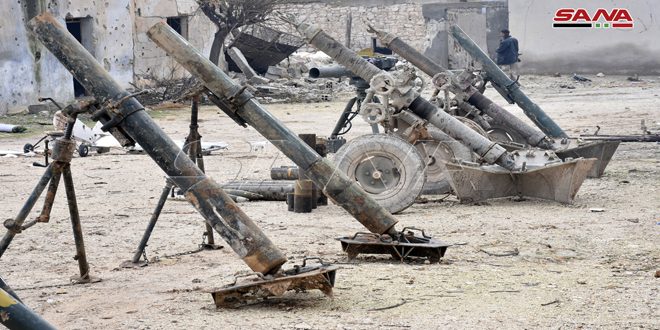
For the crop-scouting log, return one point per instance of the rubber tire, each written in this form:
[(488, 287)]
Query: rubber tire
[(28, 147), (83, 150), (413, 176)]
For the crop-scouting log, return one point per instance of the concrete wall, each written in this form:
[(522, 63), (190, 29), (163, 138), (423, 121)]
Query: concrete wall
[(546, 49), (483, 21), (117, 41), (405, 20), (151, 61), (423, 24), (28, 70)]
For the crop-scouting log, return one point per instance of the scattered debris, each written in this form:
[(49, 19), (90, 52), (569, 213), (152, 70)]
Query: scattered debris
[(596, 210), (634, 78), (8, 128), (403, 302), (577, 77), (551, 303)]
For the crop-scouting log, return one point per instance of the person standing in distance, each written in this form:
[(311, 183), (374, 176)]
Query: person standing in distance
[(507, 54)]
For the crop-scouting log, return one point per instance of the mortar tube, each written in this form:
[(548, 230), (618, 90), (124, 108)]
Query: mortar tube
[(491, 152), (219, 210), (500, 115), (498, 77), (345, 192)]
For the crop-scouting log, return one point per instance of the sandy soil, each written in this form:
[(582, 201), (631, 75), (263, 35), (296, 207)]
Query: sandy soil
[(575, 268)]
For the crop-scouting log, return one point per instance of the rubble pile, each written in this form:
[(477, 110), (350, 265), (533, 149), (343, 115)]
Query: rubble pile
[(288, 81)]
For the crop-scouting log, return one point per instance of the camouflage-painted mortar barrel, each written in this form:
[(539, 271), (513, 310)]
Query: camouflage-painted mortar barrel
[(336, 185), (498, 77), (490, 151), (219, 210)]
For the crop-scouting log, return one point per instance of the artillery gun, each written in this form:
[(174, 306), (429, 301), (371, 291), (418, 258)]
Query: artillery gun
[(393, 102)]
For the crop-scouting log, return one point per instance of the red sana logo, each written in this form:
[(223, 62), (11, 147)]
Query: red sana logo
[(601, 18)]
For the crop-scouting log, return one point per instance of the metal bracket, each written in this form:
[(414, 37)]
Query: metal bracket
[(226, 107), (405, 245), (299, 278), (111, 109)]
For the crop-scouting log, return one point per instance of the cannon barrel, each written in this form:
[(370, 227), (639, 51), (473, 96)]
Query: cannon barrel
[(481, 102), (333, 71), (336, 185), (240, 232), (499, 78), (490, 151)]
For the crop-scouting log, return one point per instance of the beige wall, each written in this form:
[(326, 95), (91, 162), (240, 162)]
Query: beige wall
[(546, 49), (28, 70)]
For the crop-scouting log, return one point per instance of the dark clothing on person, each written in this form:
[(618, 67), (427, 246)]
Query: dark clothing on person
[(507, 53)]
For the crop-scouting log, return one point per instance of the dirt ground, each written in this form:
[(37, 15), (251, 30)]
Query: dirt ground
[(575, 268)]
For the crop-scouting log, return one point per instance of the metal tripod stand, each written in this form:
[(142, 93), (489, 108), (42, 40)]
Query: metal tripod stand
[(60, 167), (193, 147)]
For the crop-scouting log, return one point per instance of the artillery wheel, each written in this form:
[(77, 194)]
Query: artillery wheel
[(504, 134), (437, 151), (387, 167)]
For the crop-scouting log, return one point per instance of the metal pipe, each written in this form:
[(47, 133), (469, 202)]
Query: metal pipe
[(27, 207), (341, 123), (474, 97), (240, 232), (333, 71), (498, 77), (16, 316), (49, 200), (346, 192), (81, 255), (488, 150), (152, 221)]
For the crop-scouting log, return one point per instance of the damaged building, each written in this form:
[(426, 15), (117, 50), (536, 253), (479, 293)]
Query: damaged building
[(114, 32)]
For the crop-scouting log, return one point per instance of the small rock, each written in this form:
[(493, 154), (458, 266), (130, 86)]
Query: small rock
[(196, 280), (596, 210), (581, 282), (657, 273), (556, 74), (600, 75)]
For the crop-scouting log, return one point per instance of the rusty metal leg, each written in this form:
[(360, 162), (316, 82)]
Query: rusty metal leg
[(81, 256), (50, 193), (194, 143), (150, 228), (25, 210), (126, 117)]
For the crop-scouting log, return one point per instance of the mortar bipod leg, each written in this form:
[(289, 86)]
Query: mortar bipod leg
[(123, 115), (135, 261), (196, 154), (81, 255)]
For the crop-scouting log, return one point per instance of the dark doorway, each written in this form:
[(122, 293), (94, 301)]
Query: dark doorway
[(179, 24), (81, 29), (73, 25)]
